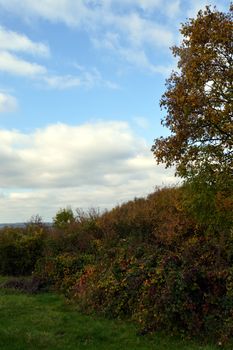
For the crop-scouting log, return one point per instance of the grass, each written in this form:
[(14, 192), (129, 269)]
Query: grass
[(45, 321)]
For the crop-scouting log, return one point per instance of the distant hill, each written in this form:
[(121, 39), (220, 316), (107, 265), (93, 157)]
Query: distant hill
[(16, 224), (20, 224)]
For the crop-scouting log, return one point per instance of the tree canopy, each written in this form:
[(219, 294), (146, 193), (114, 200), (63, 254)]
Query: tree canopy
[(199, 100)]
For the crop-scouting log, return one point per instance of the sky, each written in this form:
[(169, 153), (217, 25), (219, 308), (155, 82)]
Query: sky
[(80, 85)]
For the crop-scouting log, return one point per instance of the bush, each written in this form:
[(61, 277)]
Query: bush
[(176, 277), (62, 270), (20, 250), (186, 289), (149, 260)]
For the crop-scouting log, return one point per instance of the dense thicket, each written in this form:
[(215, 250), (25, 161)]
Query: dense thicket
[(148, 260)]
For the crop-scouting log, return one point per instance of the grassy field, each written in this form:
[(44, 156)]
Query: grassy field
[(45, 321)]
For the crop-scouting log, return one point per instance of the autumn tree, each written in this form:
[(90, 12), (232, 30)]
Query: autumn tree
[(199, 103)]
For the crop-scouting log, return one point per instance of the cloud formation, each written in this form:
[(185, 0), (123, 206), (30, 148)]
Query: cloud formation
[(16, 42), (14, 65), (84, 78), (129, 29), (8, 103), (94, 164), (129, 21), (12, 43)]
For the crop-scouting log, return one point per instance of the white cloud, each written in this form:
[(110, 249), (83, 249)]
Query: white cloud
[(66, 11), (62, 82), (87, 79), (98, 164), (139, 59), (146, 5), (149, 5), (141, 31), (134, 29), (173, 8), (13, 41), (71, 12), (8, 103), (11, 63), (14, 65), (134, 56)]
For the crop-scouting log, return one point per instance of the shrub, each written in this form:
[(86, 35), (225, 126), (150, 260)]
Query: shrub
[(177, 277), (62, 270), (20, 250), (148, 260)]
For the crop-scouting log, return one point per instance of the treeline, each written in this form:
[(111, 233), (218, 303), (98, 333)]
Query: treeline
[(150, 260)]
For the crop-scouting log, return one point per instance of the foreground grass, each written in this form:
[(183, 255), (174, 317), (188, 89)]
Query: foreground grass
[(45, 321)]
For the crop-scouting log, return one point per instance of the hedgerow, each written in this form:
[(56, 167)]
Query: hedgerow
[(149, 260)]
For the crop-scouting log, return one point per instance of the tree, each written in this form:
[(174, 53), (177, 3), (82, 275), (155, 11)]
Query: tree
[(64, 218), (199, 105), (199, 100)]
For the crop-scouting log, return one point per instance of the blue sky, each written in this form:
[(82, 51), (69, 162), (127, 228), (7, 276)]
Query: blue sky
[(80, 84)]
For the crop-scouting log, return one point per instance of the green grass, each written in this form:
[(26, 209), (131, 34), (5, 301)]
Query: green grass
[(46, 321)]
